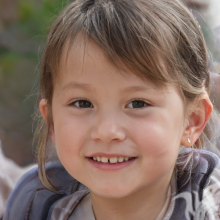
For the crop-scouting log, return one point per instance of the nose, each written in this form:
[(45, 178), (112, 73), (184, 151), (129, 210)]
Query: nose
[(108, 129)]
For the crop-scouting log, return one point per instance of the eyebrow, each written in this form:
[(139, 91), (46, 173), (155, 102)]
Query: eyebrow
[(134, 89), (88, 87), (74, 85)]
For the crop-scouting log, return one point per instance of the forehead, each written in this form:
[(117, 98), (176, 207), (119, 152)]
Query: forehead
[(87, 72), (86, 62), (87, 69)]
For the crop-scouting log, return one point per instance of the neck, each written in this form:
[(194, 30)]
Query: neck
[(143, 204)]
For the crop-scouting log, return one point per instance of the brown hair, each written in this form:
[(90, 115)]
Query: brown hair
[(140, 33)]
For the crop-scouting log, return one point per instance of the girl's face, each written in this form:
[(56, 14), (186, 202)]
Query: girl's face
[(109, 114)]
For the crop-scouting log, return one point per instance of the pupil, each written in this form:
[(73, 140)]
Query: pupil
[(84, 104), (138, 104)]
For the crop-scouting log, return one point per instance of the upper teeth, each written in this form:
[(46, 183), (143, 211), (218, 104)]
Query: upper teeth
[(111, 159)]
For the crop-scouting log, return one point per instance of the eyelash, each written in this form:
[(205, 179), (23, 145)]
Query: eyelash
[(136, 101), (139, 101), (80, 100)]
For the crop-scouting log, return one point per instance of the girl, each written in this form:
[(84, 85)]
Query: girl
[(124, 84)]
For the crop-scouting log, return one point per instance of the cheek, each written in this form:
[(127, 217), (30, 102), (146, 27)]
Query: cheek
[(70, 135), (70, 139), (156, 135), (157, 149)]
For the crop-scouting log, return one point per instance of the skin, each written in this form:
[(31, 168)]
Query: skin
[(110, 125)]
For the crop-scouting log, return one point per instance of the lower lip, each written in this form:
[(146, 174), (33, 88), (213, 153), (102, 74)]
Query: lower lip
[(111, 166)]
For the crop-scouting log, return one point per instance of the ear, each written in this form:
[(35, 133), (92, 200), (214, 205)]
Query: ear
[(44, 113), (197, 121)]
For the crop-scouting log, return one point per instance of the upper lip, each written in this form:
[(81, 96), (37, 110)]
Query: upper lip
[(99, 154)]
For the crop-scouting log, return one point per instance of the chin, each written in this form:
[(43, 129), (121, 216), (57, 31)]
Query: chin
[(111, 192)]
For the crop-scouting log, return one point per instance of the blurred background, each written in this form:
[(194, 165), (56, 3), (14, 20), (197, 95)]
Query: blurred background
[(23, 26), (207, 13)]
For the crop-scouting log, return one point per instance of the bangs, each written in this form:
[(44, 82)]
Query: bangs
[(125, 34), (154, 44)]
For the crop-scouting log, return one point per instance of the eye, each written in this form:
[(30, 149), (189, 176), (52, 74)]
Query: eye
[(137, 104), (82, 104)]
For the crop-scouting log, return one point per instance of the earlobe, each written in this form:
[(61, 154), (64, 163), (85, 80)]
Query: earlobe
[(197, 121), (44, 113)]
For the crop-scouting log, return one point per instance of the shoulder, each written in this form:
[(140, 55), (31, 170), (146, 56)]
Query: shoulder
[(192, 184), (31, 199), (211, 199), (209, 185), (202, 161)]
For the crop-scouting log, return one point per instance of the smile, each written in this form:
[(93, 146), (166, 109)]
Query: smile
[(111, 159), (111, 163)]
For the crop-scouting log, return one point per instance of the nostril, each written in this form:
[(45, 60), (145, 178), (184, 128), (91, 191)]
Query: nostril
[(108, 134)]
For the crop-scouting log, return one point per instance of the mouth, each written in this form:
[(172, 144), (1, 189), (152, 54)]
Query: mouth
[(111, 163), (111, 159)]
